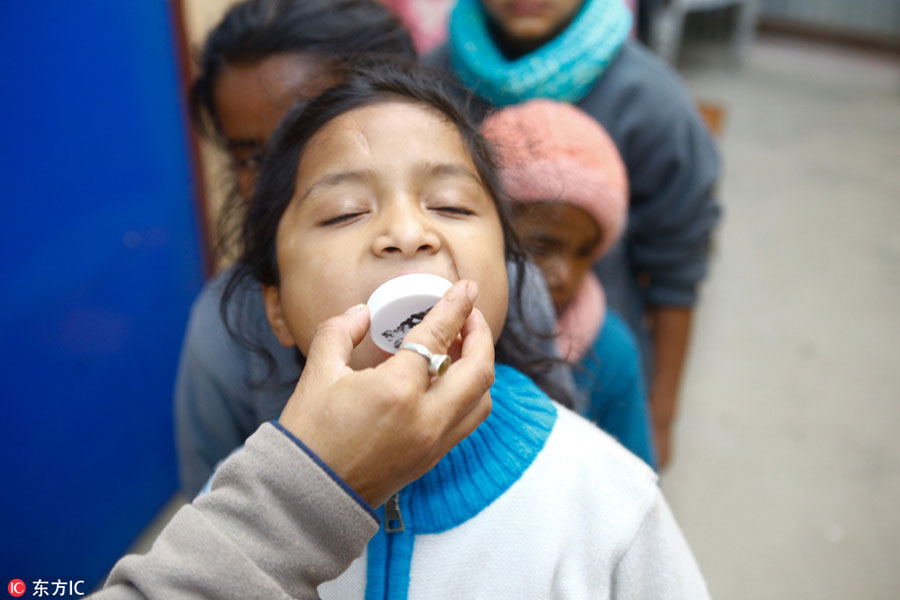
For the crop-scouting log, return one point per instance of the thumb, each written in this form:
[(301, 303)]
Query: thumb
[(334, 341)]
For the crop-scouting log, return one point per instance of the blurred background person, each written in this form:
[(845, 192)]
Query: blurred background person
[(570, 194), (427, 19), (260, 59), (579, 51)]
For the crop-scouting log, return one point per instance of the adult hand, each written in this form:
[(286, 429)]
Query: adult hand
[(380, 429)]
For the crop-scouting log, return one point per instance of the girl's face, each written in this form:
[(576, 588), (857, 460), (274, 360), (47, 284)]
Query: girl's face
[(531, 20), (251, 98), (383, 190), (561, 238)]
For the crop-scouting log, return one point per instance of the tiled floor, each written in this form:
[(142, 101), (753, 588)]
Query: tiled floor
[(787, 475)]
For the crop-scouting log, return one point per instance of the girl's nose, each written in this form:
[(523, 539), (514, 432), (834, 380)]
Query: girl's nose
[(406, 231), (557, 272)]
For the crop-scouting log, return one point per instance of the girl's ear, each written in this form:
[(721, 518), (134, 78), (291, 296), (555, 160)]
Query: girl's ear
[(275, 314)]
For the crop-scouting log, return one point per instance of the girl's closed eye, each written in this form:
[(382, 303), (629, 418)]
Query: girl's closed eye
[(338, 207), (542, 245), (451, 204), (455, 210), (343, 218)]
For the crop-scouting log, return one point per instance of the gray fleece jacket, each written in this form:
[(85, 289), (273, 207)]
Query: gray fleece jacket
[(276, 524)]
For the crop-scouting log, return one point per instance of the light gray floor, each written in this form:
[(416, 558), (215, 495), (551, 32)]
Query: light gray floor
[(786, 478), (787, 474)]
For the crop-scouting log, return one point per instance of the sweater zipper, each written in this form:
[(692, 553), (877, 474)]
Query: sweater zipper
[(393, 523), (393, 518)]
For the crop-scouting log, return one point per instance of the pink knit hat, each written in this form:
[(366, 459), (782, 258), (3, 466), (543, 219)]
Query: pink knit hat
[(554, 152)]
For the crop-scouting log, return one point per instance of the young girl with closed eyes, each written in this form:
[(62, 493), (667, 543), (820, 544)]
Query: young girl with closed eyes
[(383, 176), (264, 56)]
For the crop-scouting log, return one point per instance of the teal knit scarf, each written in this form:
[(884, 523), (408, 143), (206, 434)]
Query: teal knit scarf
[(565, 68)]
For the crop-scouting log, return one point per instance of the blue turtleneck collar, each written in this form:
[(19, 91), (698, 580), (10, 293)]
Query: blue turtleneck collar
[(468, 479), (485, 464)]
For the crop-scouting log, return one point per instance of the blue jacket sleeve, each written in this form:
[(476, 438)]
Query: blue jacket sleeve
[(213, 415), (612, 378), (224, 391)]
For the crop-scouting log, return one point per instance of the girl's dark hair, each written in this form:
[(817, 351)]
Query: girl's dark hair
[(337, 30), (372, 83)]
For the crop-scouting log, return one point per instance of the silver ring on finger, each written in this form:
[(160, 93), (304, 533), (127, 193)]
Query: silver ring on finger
[(437, 363)]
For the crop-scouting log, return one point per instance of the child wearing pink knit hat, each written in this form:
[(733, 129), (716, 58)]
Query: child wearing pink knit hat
[(570, 193)]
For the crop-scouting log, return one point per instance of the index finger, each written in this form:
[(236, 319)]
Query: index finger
[(438, 329), (458, 402), (467, 379)]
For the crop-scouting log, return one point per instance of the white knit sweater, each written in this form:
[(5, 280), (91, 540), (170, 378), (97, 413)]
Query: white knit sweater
[(586, 519), (536, 503)]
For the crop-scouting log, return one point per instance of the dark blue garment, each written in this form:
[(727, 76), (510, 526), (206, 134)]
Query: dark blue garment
[(611, 376)]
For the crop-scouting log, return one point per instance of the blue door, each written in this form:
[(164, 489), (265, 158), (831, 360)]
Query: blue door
[(99, 262)]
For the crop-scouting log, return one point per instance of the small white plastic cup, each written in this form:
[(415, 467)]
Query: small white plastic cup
[(399, 304)]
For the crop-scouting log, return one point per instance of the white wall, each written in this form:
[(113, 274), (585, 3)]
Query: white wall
[(878, 17)]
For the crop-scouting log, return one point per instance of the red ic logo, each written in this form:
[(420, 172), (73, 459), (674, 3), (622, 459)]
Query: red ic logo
[(16, 588)]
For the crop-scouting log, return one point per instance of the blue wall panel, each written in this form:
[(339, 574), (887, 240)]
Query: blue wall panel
[(99, 262)]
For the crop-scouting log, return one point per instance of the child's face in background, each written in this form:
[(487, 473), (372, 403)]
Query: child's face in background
[(251, 98), (561, 238), (530, 20), (382, 191)]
